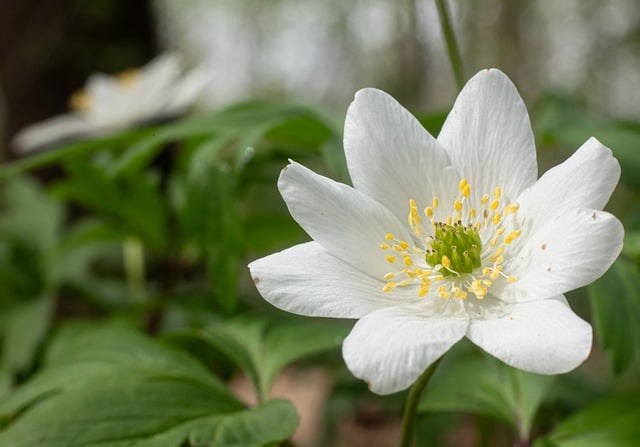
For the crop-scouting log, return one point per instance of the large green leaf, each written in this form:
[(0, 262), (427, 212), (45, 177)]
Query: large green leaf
[(489, 387), (114, 387), (615, 305), (612, 421), (262, 348)]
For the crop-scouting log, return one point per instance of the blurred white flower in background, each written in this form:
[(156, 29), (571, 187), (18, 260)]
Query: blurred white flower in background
[(159, 90)]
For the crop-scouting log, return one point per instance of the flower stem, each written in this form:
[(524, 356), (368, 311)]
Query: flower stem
[(134, 269), (450, 40), (411, 406)]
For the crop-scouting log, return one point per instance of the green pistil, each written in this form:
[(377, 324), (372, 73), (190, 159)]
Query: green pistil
[(458, 243)]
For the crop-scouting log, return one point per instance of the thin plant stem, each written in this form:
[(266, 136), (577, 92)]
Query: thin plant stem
[(450, 40), (409, 417), (134, 268)]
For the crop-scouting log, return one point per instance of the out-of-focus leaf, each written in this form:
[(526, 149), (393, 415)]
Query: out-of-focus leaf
[(612, 421), (284, 124), (561, 121), (56, 155), (132, 203), (615, 305), (631, 245), (22, 328), (114, 387), (433, 121), (263, 348), (488, 387), (333, 155)]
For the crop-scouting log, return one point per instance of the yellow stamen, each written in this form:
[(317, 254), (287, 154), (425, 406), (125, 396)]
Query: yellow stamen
[(389, 236), (391, 259), (384, 246)]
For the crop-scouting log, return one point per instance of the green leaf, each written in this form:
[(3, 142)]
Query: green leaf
[(565, 122), (22, 329), (56, 155), (114, 387), (283, 124), (262, 348), (277, 418), (133, 204), (612, 421), (489, 387), (615, 305)]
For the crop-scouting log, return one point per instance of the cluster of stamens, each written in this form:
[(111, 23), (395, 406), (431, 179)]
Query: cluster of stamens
[(451, 255)]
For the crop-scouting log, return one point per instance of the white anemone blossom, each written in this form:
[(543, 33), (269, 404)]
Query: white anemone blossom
[(161, 89), (449, 237)]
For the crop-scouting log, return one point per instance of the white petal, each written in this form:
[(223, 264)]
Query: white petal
[(489, 138), (306, 280), (161, 72), (543, 337), (391, 347), (188, 89), (347, 223), (51, 131), (585, 180), (569, 251), (391, 157)]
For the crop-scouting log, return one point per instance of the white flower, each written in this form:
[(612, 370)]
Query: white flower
[(445, 238), (161, 89)]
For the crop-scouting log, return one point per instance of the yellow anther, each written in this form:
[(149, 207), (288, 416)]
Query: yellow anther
[(389, 286), (500, 250), (497, 217), (472, 213), (435, 203), (407, 261), (445, 261), (397, 248), (493, 241), (510, 209), (439, 277), (494, 205), (494, 274), (422, 291), (463, 183), (466, 191), (486, 271), (512, 236), (444, 293), (391, 259), (459, 293), (498, 259), (485, 199), (403, 244), (500, 230), (497, 192), (428, 211), (511, 278), (486, 282), (389, 236), (457, 205), (389, 276), (449, 220), (384, 246)]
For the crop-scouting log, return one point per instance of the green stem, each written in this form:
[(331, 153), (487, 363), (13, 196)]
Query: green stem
[(133, 259), (411, 406), (450, 40)]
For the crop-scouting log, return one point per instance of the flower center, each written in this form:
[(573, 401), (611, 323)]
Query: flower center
[(460, 254), (456, 246)]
